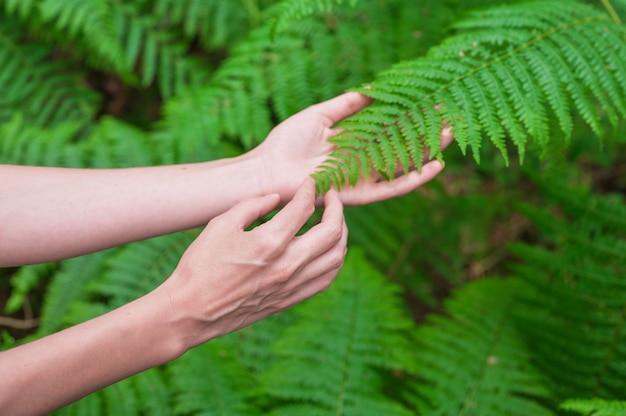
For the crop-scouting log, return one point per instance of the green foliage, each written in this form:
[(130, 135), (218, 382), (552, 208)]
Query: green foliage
[(595, 407), (287, 12), (404, 329), (209, 380), (36, 83), (575, 316), (509, 71), (145, 394), (473, 360)]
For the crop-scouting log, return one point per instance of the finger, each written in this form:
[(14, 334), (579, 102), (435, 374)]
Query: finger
[(246, 212), (340, 107), (294, 215), (325, 235), (446, 137), (402, 185), (330, 260)]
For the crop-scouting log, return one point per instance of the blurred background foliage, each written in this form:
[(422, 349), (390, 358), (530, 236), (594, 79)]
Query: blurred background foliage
[(493, 290)]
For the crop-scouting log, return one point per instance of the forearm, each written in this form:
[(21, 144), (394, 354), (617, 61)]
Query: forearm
[(49, 373), (48, 214)]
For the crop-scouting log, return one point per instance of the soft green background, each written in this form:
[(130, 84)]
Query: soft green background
[(494, 290)]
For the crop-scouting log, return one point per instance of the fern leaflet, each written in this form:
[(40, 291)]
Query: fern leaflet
[(595, 407)]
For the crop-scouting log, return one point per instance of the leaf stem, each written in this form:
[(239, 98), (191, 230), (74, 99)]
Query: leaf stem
[(609, 8)]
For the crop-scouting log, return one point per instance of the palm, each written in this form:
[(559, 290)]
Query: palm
[(297, 146)]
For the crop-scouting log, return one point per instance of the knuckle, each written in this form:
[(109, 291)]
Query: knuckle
[(272, 244), (218, 222), (283, 271), (335, 232)]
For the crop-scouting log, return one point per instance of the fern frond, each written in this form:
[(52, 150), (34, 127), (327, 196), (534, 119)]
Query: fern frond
[(215, 23), (595, 407), (290, 11), (251, 345), (510, 70), (576, 315), (143, 394), (473, 361), (397, 236), (113, 143), (209, 380), (22, 8), (68, 285), (138, 268), (43, 89), (91, 24), (23, 281), (158, 55), (36, 146), (364, 330)]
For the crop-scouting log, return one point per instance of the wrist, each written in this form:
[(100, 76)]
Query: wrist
[(173, 334)]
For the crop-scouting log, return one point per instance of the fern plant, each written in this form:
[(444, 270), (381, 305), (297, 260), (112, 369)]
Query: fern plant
[(509, 71)]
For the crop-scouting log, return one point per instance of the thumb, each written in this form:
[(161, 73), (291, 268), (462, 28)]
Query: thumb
[(340, 107)]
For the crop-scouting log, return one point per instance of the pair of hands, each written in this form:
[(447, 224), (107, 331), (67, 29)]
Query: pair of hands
[(229, 278)]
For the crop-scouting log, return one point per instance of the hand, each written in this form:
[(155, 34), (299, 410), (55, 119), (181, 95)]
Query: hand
[(229, 278), (296, 147)]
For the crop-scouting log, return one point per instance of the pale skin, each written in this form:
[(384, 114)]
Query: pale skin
[(226, 280)]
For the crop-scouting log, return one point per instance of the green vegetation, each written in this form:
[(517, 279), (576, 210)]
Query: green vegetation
[(498, 289)]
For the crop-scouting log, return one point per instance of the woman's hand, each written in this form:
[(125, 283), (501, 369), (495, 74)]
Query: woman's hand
[(229, 277), (297, 146)]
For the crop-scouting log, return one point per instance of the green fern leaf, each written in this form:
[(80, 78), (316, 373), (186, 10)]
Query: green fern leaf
[(251, 345), (146, 393), (575, 314), (595, 407), (364, 330), (113, 143), (289, 11), (43, 89), (23, 281), (216, 23), (138, 268), (91, 24), (158, 54), (208, 380), (473, 361), (68, 285), (36, 146), (509, 71), (22, 8)]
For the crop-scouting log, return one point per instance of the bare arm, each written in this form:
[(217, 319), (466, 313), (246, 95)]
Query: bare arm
[(227, 279), (55, 213)]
